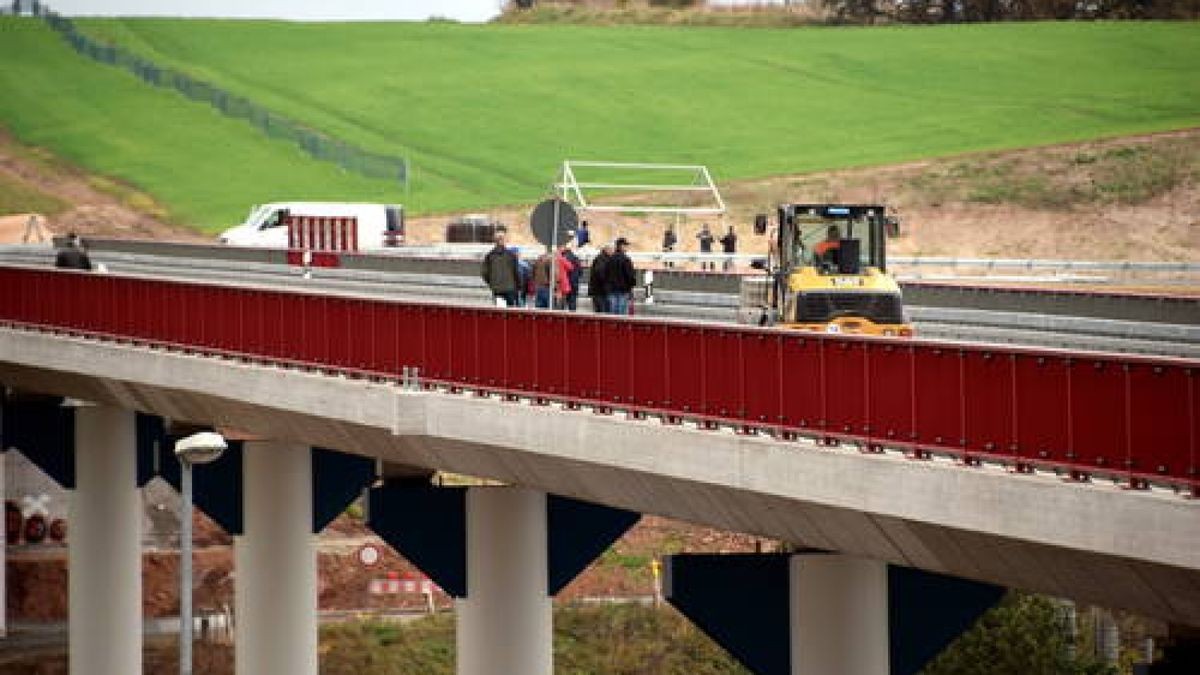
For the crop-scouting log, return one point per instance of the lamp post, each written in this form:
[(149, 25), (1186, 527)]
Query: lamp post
[(199, 448)]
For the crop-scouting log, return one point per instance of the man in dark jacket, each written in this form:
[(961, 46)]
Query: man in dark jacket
[(706, 239), (500, 272), (72, 255), (668, 244), (620, 278), (597, 288), (729, 241), (706, 242), (729, 245)]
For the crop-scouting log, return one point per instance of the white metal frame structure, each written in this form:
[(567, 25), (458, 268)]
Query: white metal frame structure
[(576, 192)]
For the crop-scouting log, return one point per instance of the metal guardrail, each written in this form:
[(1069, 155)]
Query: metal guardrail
[(1053, 324), (1131, 418), (1091, 303), (1048, 264), (740, 260)]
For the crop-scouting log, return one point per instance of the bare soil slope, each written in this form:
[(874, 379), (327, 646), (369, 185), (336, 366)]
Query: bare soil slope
[(91, 204)]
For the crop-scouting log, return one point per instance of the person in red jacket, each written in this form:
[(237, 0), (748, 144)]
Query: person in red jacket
[(550, 262)]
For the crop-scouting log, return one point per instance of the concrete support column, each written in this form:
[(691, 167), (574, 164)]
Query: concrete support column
[(3, 544), (275, 563), (839, 615), (505, 622), (105, 556)]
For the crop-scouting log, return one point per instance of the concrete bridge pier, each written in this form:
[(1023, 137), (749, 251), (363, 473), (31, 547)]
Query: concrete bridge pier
[(4, 544), (275, 560), (502, 553), (839, 615), (105, 557), (823, 613), (504, 626)]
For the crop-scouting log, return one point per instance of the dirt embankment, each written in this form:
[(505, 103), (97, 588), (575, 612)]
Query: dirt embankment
[(85, 204)]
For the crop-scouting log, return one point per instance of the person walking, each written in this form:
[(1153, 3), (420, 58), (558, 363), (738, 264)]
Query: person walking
[(582, 236), (524, 277), (72, 255), (668, 244), (574, 275), (729, 247), (597, 286), (706, 243), (706, 239), (541, 281), (549, 263), (669, 240), (501, 274), (620, 278), (562, 286)]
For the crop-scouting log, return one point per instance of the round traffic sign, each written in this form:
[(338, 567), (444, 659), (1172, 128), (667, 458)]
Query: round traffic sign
[(369, 555), (541, 221)]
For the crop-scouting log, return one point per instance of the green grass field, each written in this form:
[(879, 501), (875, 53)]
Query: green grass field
[(486, 113)]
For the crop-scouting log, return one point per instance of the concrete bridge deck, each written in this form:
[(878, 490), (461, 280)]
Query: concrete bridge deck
[(1093, 542)]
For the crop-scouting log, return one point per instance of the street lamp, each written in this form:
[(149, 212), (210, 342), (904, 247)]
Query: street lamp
[(199, 448)]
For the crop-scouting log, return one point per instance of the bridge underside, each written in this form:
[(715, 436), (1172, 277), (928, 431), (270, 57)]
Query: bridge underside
[(1117, 548)]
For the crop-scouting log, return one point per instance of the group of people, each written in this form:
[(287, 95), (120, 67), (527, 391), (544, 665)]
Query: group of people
[(611, 277), (706, 239)]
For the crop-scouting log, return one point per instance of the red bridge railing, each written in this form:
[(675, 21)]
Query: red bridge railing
[(1132, 418)]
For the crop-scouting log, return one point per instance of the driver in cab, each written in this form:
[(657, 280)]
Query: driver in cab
[(827, 249)]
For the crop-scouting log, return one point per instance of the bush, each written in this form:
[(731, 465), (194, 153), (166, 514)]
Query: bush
[(1023, 635)]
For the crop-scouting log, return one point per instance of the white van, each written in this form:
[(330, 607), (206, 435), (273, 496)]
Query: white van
[(379, 225)]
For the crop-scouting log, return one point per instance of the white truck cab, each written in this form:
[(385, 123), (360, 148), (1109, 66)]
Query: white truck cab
[(379, 225)]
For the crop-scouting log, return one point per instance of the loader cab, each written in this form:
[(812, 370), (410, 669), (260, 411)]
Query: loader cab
[(833, 239), (827, 270)]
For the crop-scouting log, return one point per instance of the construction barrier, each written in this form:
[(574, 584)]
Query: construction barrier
[(1132, 418), (320, 233)]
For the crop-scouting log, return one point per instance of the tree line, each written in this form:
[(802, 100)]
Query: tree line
[(939, 11), (969, 11)]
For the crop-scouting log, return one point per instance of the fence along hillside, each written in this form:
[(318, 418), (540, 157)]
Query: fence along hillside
[(316, 144)]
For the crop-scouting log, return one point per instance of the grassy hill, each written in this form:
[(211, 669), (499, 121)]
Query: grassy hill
[(205, 168), (486, 113)]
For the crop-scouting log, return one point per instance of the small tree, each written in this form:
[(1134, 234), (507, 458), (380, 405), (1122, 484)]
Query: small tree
[(1023, 635)]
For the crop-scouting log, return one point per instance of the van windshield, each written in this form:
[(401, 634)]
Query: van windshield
[(256, 215), (273, 218)]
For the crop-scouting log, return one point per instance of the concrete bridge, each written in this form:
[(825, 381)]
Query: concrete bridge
[(977, 467)]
